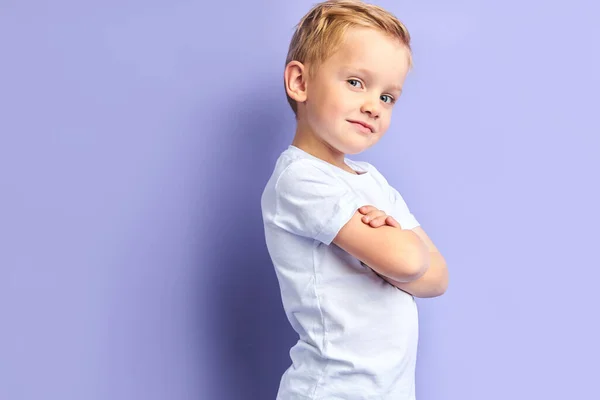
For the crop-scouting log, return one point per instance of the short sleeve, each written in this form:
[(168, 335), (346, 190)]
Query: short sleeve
[(313, 202), (401, 212)]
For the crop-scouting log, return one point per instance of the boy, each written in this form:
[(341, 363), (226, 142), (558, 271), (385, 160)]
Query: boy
[(348, 254)]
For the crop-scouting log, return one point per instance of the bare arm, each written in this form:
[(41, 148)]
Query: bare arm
[(390, 251), (434, 281)]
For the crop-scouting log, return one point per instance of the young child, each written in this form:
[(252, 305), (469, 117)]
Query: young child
[(348, 254)]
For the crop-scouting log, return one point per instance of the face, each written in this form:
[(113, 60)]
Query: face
[(350, 98)]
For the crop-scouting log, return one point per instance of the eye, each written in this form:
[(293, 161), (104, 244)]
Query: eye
[(391, 99), (353, 82)]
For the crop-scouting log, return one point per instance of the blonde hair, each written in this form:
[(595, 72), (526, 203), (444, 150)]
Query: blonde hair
[(321, 31)]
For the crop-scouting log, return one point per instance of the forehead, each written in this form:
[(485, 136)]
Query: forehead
[(370, 49)]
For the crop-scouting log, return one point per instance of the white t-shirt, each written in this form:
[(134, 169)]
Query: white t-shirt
[(357, 333)]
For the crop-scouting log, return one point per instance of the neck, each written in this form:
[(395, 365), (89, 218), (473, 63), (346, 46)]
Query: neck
[(309, 142)]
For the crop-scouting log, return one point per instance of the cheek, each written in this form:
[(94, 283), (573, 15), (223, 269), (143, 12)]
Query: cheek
[(385, 123), (329, 98), (329, 107), (340, 104)]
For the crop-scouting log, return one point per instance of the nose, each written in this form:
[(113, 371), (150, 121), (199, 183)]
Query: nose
[(372, 108)]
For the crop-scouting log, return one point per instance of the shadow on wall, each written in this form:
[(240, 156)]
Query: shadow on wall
[(249, 334)]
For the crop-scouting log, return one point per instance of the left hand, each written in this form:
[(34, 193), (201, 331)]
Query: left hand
[(377, 218)]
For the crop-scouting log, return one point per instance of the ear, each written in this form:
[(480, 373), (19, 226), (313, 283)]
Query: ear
[(295, 81)]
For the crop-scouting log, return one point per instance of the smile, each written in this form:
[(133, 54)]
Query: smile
[(362, 126)]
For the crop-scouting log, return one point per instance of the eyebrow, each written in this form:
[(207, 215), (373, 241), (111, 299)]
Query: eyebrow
[(370, 74), (397, 87)]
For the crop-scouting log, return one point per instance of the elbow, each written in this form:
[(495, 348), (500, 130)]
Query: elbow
[(421, 264), (409, 260), (410, 270), (442, 288), (434, 289), (420, 260), (442, 282)]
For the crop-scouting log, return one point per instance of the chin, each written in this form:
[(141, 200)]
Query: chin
[(347, 144), (356, 149), (362, 145)]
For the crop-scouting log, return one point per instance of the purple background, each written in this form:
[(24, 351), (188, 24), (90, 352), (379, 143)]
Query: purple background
[(136, 139)]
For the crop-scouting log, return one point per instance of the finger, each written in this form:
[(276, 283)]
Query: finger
[(372, 215), (366, 209), (392, 222), (379, 221)]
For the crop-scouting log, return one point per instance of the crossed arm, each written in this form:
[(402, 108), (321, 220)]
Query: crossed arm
[(434, 281), (407, 259)]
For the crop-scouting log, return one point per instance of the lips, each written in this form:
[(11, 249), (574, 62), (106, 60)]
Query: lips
[(363, 124)]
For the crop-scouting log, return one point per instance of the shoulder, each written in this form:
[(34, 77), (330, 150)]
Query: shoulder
[(307, 178), (298, 176), (308, 199), (295, 167), (298, 179)]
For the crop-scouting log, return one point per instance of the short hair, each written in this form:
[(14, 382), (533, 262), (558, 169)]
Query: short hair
[(320, 32)]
